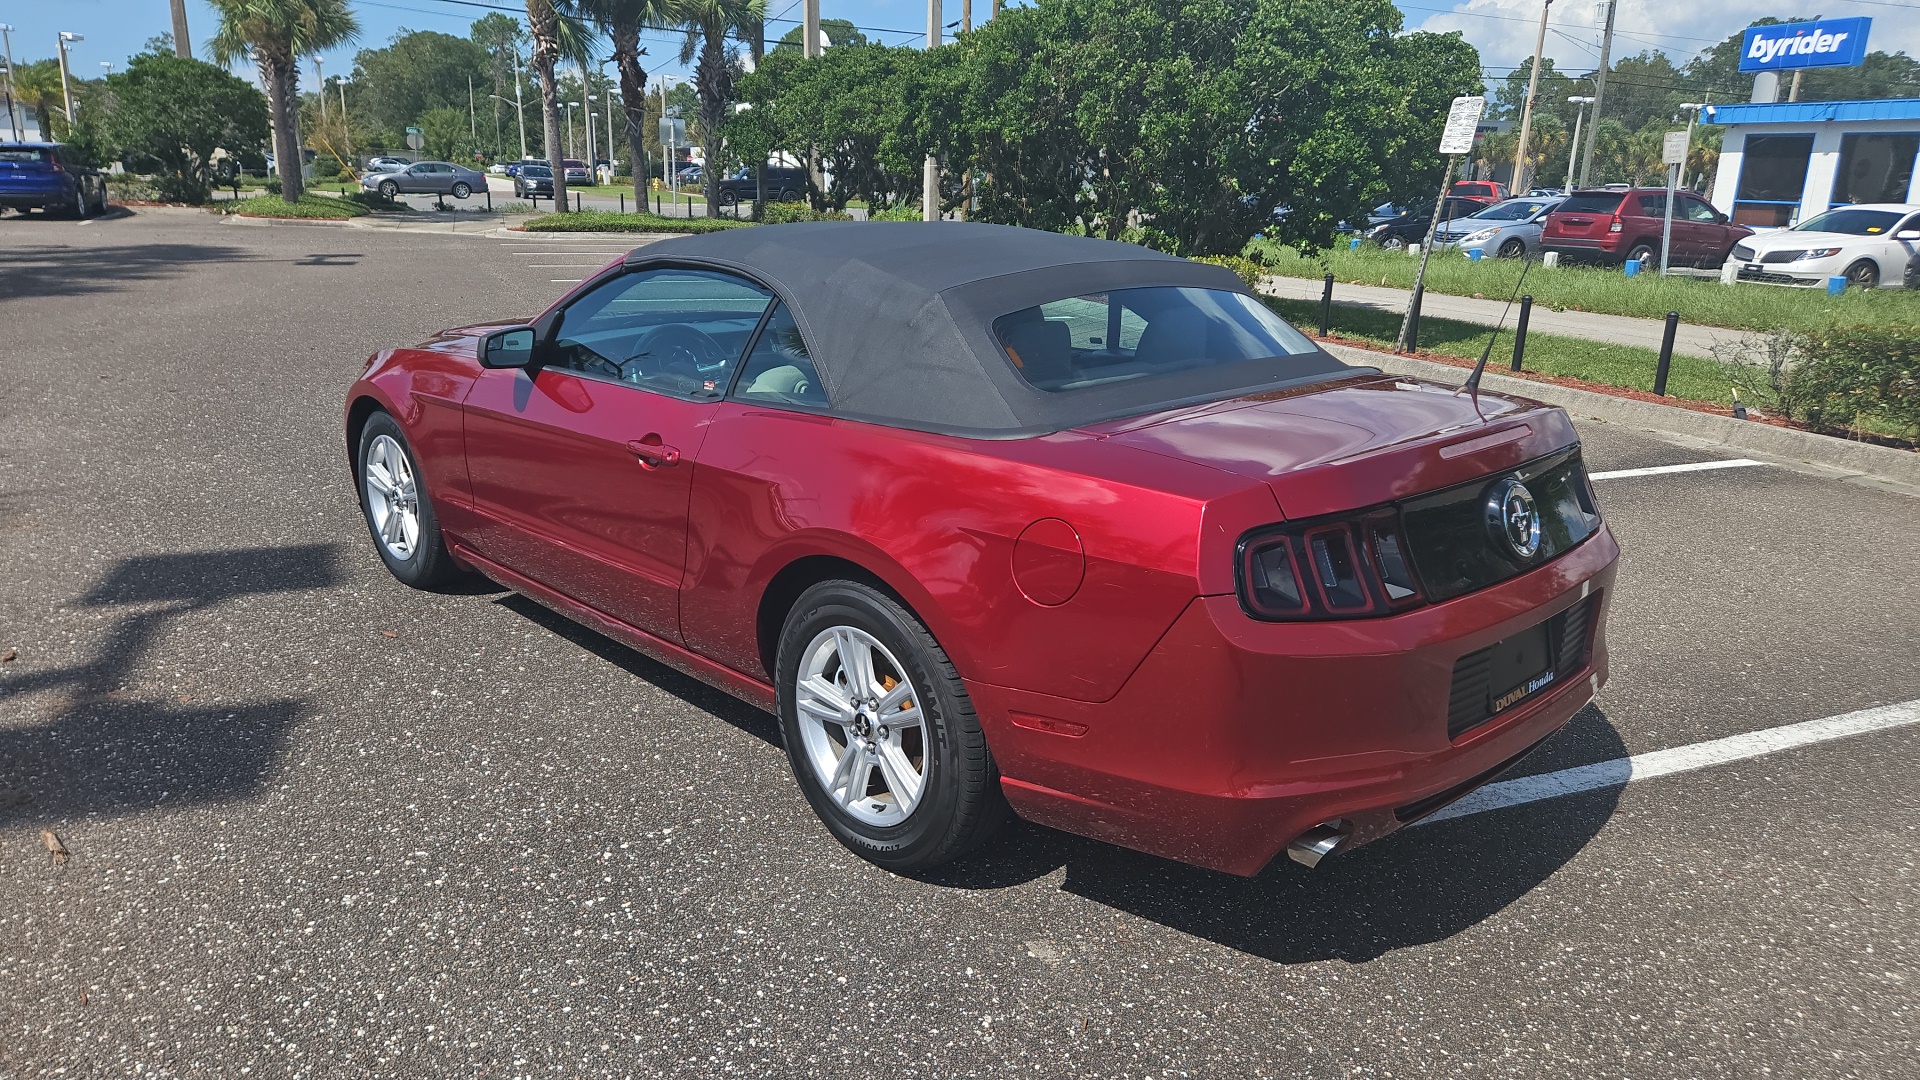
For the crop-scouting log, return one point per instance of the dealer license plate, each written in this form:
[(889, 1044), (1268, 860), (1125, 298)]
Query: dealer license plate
[(1520, 667)]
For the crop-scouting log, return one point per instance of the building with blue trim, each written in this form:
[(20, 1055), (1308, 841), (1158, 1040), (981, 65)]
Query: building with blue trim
[(1783, 162)]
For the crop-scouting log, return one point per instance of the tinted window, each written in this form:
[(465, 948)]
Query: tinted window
[(779, 369), (1855, 222), (540, 171), (672, 330), (1590, 202), (24, 154), (1698, 211), (1137, 333)]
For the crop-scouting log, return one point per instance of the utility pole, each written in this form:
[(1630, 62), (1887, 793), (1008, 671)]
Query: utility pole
[(966, 16), (1599, 94), (182, 45), (1793, 92), (930, 172), (810, 49), (1520, 170), (473, 121), (66, 91), (320, 81), (13, 119), (586, 98)]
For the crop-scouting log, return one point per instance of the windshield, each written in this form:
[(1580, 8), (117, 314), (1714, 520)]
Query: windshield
[(1513, 210), (535, 171), (1136, 333), (1852, 222)]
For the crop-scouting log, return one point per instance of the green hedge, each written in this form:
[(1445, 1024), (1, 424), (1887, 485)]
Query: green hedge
[(610, 221), (1859, 378)]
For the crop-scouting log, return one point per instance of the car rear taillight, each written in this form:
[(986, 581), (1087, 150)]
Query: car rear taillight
[(1345, 568), (1615, 227)]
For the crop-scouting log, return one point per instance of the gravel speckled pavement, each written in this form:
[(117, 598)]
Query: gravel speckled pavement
[(322, 826)]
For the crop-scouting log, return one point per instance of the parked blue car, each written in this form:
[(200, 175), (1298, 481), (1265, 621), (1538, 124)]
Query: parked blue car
[(46, 176)]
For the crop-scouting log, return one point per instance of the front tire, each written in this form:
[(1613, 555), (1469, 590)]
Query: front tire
[(728, 198), (389, 191), (1864, 274), (394, 502), (1513, 249), (880, 733)]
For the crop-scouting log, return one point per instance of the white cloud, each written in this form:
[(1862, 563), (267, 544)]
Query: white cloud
[(1503, 30)]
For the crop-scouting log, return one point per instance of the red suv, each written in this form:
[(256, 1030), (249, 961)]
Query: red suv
[(1485, 191), (1612, 225)]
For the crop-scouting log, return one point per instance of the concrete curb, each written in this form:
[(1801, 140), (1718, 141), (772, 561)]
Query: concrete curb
[(1842, 456)]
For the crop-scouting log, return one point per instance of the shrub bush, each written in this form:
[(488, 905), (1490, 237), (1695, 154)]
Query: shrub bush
[(784, 213), (1852, 376), (1247, 270), (901, 212)]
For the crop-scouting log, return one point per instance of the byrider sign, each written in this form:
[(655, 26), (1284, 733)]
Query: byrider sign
[(1827, 43)]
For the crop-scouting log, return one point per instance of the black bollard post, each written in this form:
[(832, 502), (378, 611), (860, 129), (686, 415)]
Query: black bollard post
[(1326, 305), (1666, 354), (623, 202), (1520, 331), (1413, 320), (489, 200), (576, 202)]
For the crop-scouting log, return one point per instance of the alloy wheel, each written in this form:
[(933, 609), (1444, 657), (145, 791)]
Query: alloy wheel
[(393, 497), (862, 726), (1863, 275)]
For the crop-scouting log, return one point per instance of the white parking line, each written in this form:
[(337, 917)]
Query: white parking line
[(565, 281), (1695, 466), (1624, 770)]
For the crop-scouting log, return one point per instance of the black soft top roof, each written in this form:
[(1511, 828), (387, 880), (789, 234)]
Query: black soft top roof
[(897, 317)]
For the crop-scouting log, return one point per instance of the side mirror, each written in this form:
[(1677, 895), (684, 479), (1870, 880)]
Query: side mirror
[(1907, 234), (510, 348)]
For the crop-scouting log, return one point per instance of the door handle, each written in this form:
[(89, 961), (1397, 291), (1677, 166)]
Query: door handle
[(653, 453)]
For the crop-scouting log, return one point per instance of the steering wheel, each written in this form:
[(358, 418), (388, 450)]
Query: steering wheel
[(676, 352)]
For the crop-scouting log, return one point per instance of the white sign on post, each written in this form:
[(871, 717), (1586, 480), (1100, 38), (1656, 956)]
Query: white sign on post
[(1673, 148), (1463, 119)]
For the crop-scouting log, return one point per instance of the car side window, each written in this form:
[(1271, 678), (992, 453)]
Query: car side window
[(1699, 211), (779, 369), (1653, 206), (673, 330)]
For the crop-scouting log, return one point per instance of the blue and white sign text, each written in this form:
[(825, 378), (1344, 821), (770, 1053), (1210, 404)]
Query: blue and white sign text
[(1827, 43)]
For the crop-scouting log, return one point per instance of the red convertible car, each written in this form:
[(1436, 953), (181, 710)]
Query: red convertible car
[(1006, 521)]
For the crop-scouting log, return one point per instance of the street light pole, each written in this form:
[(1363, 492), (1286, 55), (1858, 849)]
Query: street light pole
[(1520, 177), (13, 121), (182, 44), (571, 105), (320, 80), (519, 106), (66, 91), (586, 95), (1573, 150), (930, 171)]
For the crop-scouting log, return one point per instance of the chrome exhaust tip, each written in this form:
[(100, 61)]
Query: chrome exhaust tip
[(1317, 843)]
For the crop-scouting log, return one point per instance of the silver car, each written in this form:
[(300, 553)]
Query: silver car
[(1508, 229), (427, 178)]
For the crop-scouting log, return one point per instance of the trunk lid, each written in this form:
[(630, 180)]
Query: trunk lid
[(1352, 444)]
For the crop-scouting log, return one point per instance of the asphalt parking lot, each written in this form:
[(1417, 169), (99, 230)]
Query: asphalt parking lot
[(318, 824)]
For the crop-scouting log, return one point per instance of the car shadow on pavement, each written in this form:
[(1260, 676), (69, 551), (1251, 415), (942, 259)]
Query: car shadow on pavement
[(105, 750), (718, 703), (37, 271), (1416, 887)]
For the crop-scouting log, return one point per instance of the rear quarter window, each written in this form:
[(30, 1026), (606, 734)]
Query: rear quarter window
[(1591, 202)]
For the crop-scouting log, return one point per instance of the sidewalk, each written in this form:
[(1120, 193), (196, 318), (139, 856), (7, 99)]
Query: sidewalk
[(1612, 329)]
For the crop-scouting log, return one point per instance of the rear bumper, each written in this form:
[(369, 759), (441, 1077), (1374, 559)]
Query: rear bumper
[(1599, 251), (53, 192), (1235, 736)]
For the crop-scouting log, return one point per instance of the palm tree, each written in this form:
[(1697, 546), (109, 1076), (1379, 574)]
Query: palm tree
[(544, 22), (708, 22), (276, 33), (622, 21)]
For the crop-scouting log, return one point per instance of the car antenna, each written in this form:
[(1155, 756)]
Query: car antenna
[(1473, 381)]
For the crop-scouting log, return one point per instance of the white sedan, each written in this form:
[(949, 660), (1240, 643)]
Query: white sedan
[(1869, 244)]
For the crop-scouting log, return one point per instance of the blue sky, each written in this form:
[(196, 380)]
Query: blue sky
[(1502, 29)]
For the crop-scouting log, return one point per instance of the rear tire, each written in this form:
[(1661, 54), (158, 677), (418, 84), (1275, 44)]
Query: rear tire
[(789, 196), (728, 198), (394, 502), (1646, 253), (880, 733), (463, 190)]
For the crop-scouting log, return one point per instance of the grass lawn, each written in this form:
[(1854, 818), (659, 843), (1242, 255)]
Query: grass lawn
[(1700, 302), (310, 206), (611, 221), (1691, 377)]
